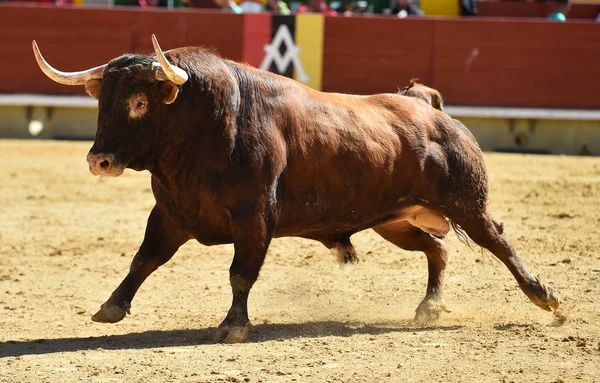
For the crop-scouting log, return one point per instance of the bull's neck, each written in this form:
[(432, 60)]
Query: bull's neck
[(192, 139), (199, 130)]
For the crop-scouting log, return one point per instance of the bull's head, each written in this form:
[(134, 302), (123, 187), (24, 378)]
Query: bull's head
[(132, 91)]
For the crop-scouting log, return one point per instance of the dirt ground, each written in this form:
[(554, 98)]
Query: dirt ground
[(67, 237)]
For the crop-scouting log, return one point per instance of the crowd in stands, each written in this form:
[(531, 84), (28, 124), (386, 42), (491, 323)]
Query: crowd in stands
[(398, 8)]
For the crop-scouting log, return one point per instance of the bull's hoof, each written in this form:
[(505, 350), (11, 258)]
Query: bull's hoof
[(542, 295), (111, 313), (231, 334), (430, 310)]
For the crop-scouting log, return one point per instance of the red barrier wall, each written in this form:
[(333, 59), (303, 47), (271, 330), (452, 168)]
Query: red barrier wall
[(534, 64), (369, 55), (471, 61)]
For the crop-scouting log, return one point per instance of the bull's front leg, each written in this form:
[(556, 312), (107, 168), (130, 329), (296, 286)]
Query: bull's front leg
[(251, 230), (162, 239)]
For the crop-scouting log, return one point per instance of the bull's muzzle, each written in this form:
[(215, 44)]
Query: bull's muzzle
[(104, 165)]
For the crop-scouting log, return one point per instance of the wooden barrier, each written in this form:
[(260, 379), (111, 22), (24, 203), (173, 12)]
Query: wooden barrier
[(532, 64), (476, 62), (370, 55), (479, 62)]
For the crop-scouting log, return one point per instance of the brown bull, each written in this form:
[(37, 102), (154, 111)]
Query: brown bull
[(239, 155)]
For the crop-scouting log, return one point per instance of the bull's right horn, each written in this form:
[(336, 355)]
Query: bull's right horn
[(174, 73), (66, 78)]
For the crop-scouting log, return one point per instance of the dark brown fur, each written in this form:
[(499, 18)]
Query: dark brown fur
[(243, 155)]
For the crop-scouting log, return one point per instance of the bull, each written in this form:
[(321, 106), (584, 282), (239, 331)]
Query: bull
[(240, 155)]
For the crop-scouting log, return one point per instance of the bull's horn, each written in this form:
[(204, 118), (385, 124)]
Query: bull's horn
[(173, 73), (66, 78)]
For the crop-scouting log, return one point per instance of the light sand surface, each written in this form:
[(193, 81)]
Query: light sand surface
[(67, 237)]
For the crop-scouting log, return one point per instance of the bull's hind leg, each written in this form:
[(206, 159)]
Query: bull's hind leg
[(408, 237), (161, 241), (486, 233)]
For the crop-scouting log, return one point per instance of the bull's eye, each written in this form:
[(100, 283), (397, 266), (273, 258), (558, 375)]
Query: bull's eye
[(138, 104)]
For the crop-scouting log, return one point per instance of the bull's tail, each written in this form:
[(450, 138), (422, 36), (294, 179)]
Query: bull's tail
[(461, 234), (464, 237)]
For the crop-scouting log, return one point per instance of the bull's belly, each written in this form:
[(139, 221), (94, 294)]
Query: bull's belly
[(322, 220), (332, 226)]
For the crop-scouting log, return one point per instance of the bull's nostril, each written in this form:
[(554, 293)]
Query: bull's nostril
[(104, 164)]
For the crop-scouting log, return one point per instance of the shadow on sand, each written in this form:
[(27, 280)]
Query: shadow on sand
[(183, 338)]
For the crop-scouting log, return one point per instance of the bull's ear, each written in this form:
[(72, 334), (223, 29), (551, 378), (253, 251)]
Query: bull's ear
[(92, 87), (168, 92), (437, 101)]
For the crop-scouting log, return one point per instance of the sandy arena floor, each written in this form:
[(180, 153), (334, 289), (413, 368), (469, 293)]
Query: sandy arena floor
[(66, 240)]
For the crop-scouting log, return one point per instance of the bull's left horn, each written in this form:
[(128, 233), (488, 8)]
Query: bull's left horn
[(66, 78), (173, 72)]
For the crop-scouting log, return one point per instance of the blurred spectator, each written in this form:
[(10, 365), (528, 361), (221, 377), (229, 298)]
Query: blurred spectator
[(468, 7), (55, 2), (251, 6), (277, 6), (559, 14), (404, 8), (354, 8), (228, 5), (317, 6), (207, 4), (344, 8)]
